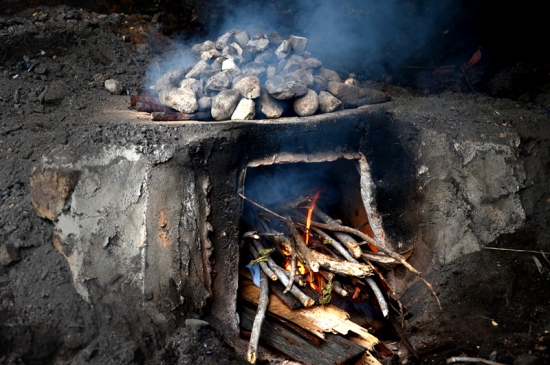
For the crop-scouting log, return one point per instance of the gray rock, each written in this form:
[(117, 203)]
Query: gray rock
[(270, 71), (257, 45), (8, 255), (307, 105), (195, 324), (225, 40), (285, 87), (55, 93), (319, 83), (349, 95), (199, 67), (242, 37), (219, 81), (268, 106), (265, 58), (304, 76), (298, 44), (275, 38), (311, 63), (249, 87), (210, 54), (224, 104), (200, 48), (231, 66), (253, 69), (245, 110), (183, 100), (293, 63), (170, 79), (329, 75), (283, 50), (205, 103), (328, 103), (113, 86), (353, 82), (192, 84)]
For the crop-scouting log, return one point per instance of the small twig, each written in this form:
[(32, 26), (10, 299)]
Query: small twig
[(456, 359), (379, 297), (262, 207), (292, 268), (265, 268), (401, 259), (339, 289), (515, 250), (282, 276), (251, 355), (348, 241)]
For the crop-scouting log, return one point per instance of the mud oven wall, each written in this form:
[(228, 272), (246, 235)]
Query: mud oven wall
[(146, 229)]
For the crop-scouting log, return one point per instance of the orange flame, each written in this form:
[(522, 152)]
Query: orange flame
[(310, 213)]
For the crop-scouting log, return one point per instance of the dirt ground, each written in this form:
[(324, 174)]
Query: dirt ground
[(53, 64)]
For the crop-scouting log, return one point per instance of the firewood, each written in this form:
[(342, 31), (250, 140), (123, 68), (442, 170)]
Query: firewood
[(251, 355), (339, 289), (302, 249), (337, 245), (319, 320), (292, 268), (340, 266), (265, 268), (335, 350), (346, 239), (281, 275)]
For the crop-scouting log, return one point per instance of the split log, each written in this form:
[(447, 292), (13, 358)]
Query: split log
[(251, 355), (319, 320), (335, 350)]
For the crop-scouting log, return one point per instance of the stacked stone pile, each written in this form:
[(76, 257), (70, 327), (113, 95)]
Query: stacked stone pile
[(241, 78)]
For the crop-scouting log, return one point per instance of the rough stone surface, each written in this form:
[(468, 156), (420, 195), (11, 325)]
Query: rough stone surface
[(249, 87), (298, 44), (183, 100), (219, 81), (285, 87), (328, 103), (307, 105), (51, 189), (113, 86), (349, 95), (8, 255), (245, 110), (268, 106), (224, 104), (329, 75)]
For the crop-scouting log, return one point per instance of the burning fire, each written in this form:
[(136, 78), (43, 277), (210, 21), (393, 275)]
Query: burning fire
[(310, 213)]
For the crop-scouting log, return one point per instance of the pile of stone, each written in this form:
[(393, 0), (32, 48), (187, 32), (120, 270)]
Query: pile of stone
[(241, 78)]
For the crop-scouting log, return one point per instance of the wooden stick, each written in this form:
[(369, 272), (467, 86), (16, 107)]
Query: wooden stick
[(339, 289), (341, 267), (346, 239), (251, 355), (282, 275), (265, 268), (514, 250), (303, 250), (401, 259), (340, 228), (456, 359), (337, 245), (292, 268)]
